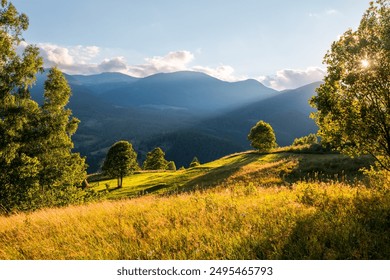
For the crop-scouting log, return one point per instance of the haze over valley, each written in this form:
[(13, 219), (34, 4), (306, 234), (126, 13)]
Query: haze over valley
[(186, 113)]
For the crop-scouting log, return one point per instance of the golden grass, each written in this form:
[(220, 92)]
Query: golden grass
[(258, 208), (234, 222)]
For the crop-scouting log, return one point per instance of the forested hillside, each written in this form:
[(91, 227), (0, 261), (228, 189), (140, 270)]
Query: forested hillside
[(187, 113)]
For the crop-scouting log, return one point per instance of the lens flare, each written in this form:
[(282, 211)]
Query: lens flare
[(365, 63)]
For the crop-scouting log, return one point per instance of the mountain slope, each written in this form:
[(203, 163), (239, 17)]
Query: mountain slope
[(193, 91), (103, 82), (211, 138), (288, 113)]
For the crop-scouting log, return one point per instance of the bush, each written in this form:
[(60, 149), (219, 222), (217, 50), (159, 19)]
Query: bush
[(171, 166), (195, 162), (306, 140)]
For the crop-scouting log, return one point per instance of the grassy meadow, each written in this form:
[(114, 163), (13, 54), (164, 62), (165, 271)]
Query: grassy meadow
[(281, 205)]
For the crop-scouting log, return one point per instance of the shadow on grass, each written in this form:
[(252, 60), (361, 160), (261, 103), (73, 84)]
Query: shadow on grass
[(328, 167), (219, 174), (359, 229)]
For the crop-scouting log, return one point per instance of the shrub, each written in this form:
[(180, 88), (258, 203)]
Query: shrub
[(306, 140)]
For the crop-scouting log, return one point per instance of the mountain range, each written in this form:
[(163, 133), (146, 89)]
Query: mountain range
[(185, 113)]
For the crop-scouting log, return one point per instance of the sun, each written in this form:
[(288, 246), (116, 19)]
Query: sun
[(365, 63)]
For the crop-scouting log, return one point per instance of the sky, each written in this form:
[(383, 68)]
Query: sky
[(281, 43)]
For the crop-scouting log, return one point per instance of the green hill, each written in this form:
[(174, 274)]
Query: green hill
[(262, 170), (281, 205)]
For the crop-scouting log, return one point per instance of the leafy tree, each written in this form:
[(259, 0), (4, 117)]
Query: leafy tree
[(306, 140), (60, 167), (155, 160), (353, 103), (121, 161), (262, 137), (171, 166), (19, 180), (37, 166), (195, 162)]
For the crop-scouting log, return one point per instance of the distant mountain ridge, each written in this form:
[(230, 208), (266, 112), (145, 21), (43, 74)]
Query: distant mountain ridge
[(186, 113), (193, 91)]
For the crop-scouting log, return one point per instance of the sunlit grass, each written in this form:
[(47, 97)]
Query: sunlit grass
[(278, 168), (307, 220), (244, 206)]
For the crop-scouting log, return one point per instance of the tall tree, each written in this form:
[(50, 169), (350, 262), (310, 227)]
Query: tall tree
[(36, 162), (262, 137), (18, 177), (354, 101), (155, 160), (121, 161), (60, 167)]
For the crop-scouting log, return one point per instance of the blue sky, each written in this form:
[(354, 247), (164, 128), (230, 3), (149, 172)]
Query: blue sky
[(280, 42)]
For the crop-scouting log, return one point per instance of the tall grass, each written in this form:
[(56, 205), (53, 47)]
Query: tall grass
[(244, 206), (240, 221)]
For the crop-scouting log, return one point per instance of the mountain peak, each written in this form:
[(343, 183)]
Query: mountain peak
[(105, 77)]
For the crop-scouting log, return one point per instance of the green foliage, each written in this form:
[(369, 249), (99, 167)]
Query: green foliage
[(155, 160), (171, 166), (36, 162), (377, 177), (353, 103), (60, 167), (349, 223), (195, 162), (262, 137), (19, 171), (121, 160), (306, 140)]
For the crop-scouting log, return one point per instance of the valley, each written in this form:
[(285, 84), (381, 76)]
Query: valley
[(186, 113)]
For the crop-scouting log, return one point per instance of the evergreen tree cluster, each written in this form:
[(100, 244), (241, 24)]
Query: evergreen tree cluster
[(37, 165)]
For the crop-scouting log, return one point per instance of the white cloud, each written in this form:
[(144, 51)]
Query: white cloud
[(293, 78), (84, 53), (55, 55), (85, 60), (173, 61), (72, 60), (116, 64), (222, 72), (82, 60), (179, 61)]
